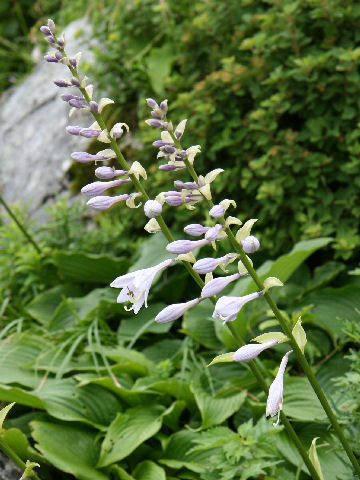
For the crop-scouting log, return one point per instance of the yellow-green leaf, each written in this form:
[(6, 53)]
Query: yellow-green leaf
[(272, 282), (29, 467), (269, 336), (225, 357), (3, 412), (314, 458), (299, 335)]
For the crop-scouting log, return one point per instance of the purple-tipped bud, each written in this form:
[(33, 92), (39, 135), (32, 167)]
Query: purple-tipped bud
[(45, 30), (61, 42), (51, 58), (105, 173), (59, 55), (252, 350), (94, 107), (185, 246), (152, 208), (207, 265), (175, 311), (218, 284), (152, 103), (74, 129), (227, 308), (97, 188), (168, 149), (250, 244), (66, 97), (51, 39), (195, 229), (173, 198), (62, 83), (51, 25), (152, 122), (186, 185), (213, 232), (73, 62), (217, 211), (85, 157), (164, 106), (76, 103), (169, 167), (156, 115), (159, 143), (75, 82), (89, 133), (104, 202), (117, 131)]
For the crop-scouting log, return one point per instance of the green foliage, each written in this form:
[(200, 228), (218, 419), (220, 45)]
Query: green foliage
[(269, 90)]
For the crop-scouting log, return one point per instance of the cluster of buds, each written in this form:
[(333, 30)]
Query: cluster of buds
[(97, 130)]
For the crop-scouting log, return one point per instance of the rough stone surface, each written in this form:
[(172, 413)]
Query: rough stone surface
[(35, 148), (8, 469)]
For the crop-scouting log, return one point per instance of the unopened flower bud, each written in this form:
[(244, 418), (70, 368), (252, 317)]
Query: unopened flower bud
[(152, 103), (51, 39), (252, 350), (152, 122), (74, 129), (168, 167), (103, 202), (105, 173), (89, 133), (62, 83), (73, 62), (45, 30), (207, 265), (250, 244), (75, 82), (61, 42), (59, 55), (168, 149), (217, 211), (195, 229), (66, 97), (84, 157), (175, 311), (213, 232), (94, 107), (227, 308), (51, 25), (152, 208), (156, 114), (76, 103), (51, 58), (218, 284), (97, 188), (185, 246)]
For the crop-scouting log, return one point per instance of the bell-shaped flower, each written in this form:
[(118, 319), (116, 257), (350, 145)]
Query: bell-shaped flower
[(175, 311), (136, 285), (227, 308), (275, 397), (252, 350), (213, 287)]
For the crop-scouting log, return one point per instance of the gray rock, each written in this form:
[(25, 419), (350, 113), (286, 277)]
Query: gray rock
[(8, 469), (35, 148)]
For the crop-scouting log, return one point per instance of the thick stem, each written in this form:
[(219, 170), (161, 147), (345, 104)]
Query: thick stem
[(20, 225)]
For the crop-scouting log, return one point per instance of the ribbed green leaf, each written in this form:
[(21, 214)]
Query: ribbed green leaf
[(71, 448), (149, 471), (199, 325)]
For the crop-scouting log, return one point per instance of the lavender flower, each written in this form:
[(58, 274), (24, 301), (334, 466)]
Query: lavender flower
[(195, 229), (74, 129), (207, 265), (275, 398), (136, 285), (175, 311), (89, 133), (227, 308), (218, 284), (97, 188), (213, 232), (62, 83), (250, 244), (152, 103), (185, 246), (103, 202), (106, 173), (186, 185), (217, 211), (84, 157), (152, 208), (50, 58), (252, 350), (152, 122), (45, 30)]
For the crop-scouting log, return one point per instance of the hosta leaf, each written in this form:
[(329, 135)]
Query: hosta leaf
[(148, 471), (129, 430), (71, 448)]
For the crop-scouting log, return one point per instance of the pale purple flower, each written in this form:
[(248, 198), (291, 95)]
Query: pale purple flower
[(74, 129), (62, 83), (97, 188), (250, 244), (213, 287), (195, 229), (45, 30), (152, 122), (106, 173), (94, 107), (168, 167), (186, 185), (103, 202), (217, 211), (275, 397), (89, 132), (66, 97), (152, 103), (213, 232), (227, 308), (185, 246), (84, 157), (175, 311), (51, 58), (207, 265), (59, 55), (252, 350), (136, 285), (75, 82), (152, 208)]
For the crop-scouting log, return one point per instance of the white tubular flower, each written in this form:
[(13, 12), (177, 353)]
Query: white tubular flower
[(136, 285), (275, 398), (213, 232), (103, 202), (213, 287), (250, 244), (227, 308), (175, 311), (207, 265), (185, 246), (252, 350), (152, 208), (195, 229), (97, 188)]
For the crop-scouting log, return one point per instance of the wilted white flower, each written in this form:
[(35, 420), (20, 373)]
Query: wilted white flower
[(227, 308), (275, 398), (136, 285)]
